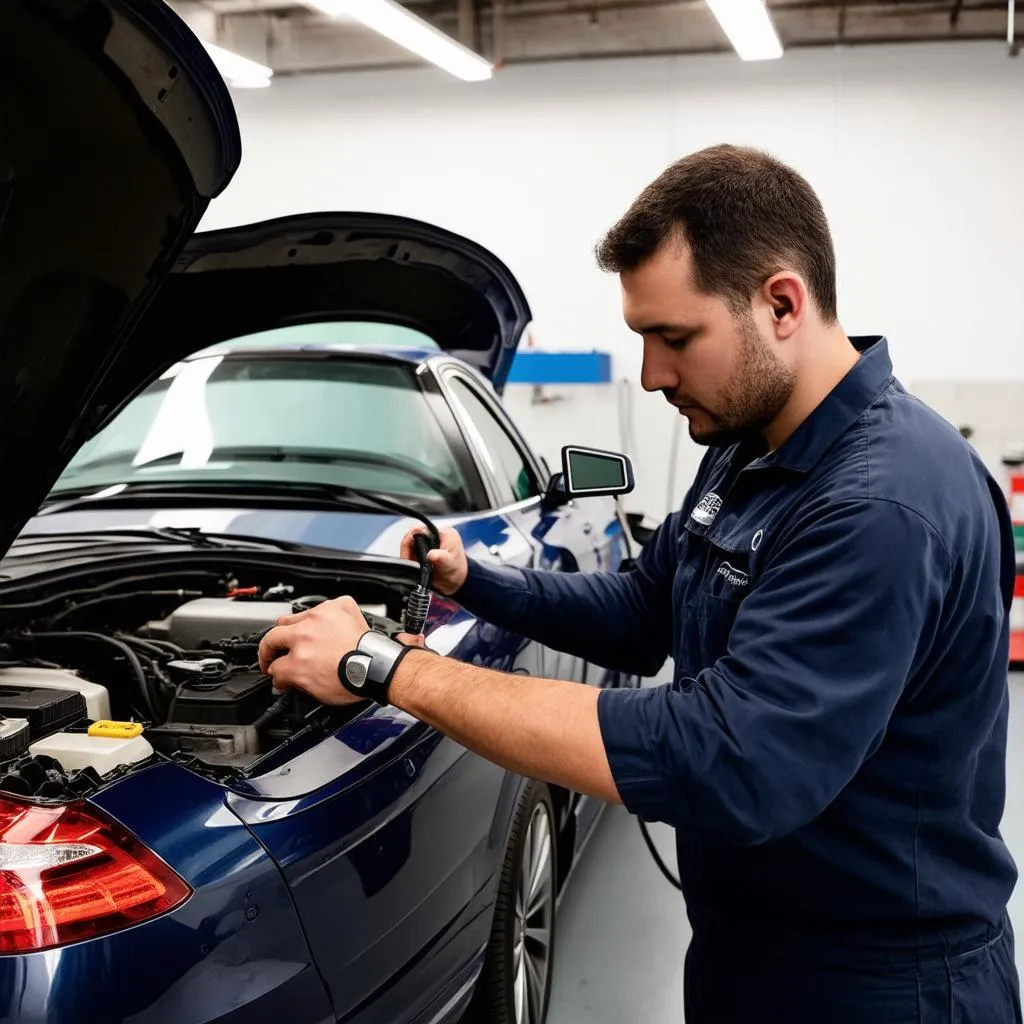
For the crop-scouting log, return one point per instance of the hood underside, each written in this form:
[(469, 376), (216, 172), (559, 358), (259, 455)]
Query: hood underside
[(337, 266), (116, 132)]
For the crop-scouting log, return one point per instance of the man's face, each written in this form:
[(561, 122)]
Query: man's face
[(717, 368)]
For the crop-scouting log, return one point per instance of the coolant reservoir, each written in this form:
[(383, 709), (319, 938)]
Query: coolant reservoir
[(76, 750), (97, 700)]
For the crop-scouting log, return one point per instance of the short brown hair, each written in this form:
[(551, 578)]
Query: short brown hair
[(745, 216)]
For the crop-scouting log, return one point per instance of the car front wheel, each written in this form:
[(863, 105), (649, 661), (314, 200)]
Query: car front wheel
[(515, 983)]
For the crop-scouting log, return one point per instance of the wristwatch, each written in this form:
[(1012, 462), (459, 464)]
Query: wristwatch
[(368, 670)]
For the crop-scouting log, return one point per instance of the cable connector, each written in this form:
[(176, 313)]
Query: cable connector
[(417, 608)]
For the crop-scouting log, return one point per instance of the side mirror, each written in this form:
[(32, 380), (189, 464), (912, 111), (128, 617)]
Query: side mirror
[(589, 472)]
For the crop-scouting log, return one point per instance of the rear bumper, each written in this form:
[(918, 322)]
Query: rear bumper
[(240, 994), (233, 952)]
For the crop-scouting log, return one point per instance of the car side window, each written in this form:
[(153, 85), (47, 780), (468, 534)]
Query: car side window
[(507, 465)]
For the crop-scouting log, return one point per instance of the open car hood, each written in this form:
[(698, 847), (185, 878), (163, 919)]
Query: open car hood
[(340, 266), (117, 131)]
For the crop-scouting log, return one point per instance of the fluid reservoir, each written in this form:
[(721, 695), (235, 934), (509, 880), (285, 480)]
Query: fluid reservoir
[(97, 700), (77, 750)]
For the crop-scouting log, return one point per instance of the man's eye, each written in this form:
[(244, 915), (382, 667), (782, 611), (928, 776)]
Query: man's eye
[(677, 343)]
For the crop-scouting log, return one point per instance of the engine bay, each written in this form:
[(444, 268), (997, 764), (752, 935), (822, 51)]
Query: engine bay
[(98, 681)]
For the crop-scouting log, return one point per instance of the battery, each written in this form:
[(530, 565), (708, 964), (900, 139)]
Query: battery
[(239, 700)]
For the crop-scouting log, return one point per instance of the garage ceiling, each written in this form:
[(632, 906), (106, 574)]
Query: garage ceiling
[(291, 38)]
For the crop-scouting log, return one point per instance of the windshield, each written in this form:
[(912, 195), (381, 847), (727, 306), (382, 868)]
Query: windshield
[(237, 419)]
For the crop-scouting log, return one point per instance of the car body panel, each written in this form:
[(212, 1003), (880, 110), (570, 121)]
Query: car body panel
[(410, 844), (233, 952)]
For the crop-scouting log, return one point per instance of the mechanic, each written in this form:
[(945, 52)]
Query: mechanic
[(835, 594)]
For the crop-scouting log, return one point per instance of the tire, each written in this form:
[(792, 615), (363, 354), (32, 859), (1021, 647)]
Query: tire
[(515, 983)]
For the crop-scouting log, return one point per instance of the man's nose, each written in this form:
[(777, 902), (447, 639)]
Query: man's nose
[(657, 373)]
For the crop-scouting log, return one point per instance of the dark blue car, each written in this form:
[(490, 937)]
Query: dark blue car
[(202, 431)]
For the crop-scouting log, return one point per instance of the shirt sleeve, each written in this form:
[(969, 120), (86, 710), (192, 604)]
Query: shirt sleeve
[(618, 620), (821, 649)]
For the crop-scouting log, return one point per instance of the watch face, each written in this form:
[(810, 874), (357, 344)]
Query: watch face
[(356, 670)]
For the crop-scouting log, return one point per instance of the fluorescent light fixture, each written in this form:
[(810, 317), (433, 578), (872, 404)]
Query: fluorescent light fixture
[(238, 71), (403, 27), (749, 27)]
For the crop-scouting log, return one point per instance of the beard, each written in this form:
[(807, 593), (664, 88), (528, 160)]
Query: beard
[(757, 393)]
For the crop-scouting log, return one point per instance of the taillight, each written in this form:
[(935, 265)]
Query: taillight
[(69, 873)]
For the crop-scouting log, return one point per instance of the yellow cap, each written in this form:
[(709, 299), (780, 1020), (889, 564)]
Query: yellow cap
[(116, 730)]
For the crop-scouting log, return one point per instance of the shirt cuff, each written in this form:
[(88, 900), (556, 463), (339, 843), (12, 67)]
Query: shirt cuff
[(625, 718)]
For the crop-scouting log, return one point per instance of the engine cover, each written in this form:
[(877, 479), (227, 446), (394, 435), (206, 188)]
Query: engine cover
[(197, 624)]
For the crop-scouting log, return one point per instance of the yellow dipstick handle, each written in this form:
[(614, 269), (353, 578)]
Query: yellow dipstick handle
[(116, 730)]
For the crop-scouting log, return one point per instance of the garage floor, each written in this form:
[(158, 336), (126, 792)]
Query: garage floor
[(623, 931)]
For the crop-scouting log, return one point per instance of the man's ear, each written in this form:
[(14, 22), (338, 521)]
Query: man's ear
[(786, 296)]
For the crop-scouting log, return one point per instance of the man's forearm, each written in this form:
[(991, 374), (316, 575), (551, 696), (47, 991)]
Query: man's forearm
[(610, 619), (540, 728)]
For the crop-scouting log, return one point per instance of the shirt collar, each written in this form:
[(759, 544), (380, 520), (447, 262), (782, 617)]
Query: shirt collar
[(840, 409)]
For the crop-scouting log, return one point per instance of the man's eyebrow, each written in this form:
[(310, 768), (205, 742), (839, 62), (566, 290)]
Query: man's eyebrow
[(663, 328)]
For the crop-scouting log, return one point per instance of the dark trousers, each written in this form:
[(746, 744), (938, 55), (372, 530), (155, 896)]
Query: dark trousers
[(967, 982)]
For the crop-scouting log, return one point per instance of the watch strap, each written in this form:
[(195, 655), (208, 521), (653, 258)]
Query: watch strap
[(368, 670)]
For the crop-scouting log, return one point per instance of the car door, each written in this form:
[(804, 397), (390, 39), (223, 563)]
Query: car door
[(584, 534)]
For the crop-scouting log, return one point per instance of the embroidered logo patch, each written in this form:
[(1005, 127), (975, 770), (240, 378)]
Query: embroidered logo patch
[(737, 577), (706, 509)]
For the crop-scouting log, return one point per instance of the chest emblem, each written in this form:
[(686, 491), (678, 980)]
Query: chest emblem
[(735, 577), (706, 509)]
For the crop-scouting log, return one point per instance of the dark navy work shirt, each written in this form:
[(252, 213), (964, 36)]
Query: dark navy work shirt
[(831, 750)]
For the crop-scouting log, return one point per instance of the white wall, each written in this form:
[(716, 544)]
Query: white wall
[(915, 152)]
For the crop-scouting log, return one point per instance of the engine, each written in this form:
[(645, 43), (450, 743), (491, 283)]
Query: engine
[(82, 701)]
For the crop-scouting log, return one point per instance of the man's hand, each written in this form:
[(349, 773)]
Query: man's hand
[(303, 650), (451, 566)]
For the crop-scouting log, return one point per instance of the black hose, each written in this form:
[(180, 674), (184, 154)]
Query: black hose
[(276, 710), (165, 645), (403, 510), (174, 700), (71, 609), (657, 856), (130, 655), (158, 648), (152, 653)]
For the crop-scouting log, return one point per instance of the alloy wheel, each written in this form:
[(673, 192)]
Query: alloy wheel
[(534, 917)]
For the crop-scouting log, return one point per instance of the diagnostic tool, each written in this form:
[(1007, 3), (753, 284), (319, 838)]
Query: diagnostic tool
[(418, 606)]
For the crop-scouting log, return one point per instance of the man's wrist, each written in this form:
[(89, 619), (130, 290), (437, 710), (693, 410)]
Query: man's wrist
[(368, 670), (406, 689)]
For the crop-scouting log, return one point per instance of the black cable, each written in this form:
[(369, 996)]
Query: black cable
[(183, 594), (657, 856), (130, 655), (174, 700), (399, 509), (165, 645), (159, 649), (278, 708)]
